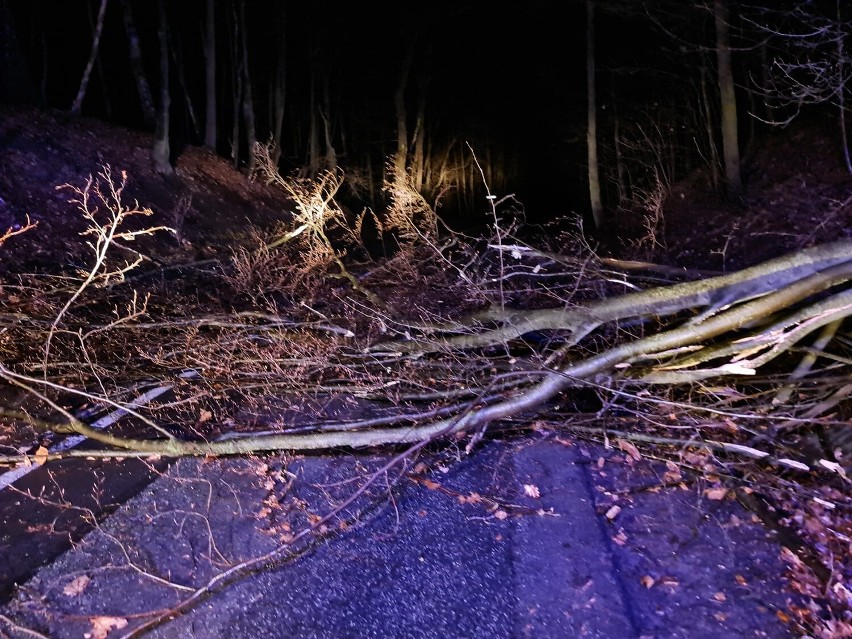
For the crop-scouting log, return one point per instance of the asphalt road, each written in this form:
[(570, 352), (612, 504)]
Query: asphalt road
[(524, 538)]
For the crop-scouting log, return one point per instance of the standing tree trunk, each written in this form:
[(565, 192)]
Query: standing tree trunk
[(161, 151), (280, 90), (146, 100), (730, 140), (210, 75), (99, 64), (325, 113), (591, 107), (248, 98), (401, 157), (93, 54), (841, 87), (313, 132), (713, 161), (418, 160)]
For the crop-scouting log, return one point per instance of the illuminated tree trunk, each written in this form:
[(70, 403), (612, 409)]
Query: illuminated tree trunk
[(592, 135), (730, 141), (93, 54), (401, 157)]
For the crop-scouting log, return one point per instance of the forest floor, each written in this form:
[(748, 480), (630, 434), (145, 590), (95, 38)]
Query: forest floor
[(798, 196)]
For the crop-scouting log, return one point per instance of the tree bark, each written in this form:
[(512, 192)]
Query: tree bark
[(591, 107), (161, 151), (401, 157), (248, 98), (730, 138), (210, 75), (143, 89), (280, 90), (93, 54)]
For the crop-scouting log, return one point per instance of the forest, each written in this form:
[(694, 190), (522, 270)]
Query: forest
[(624, 222)]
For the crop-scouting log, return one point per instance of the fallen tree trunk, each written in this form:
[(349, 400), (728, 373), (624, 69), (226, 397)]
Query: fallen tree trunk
[(724, 326)]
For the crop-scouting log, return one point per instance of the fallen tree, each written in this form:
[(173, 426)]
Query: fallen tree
[(438, 377)]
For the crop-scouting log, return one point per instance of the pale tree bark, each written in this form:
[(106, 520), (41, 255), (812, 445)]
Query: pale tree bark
[(418, 159), (592, 127), (210, 75), (161, 150), (93, 54), (730, 138), (143, 89), (325, 113)]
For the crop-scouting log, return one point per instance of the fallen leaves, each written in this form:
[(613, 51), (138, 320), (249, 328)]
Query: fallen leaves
[(717, 493), (102, 625), (76, 586), (531, 490)]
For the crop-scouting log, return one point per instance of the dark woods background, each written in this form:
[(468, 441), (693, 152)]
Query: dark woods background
[(358, 85)]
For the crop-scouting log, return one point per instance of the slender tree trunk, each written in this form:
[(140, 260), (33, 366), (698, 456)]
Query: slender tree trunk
[(841, 87), (401, 157), (325, 113), (100, 67), (417, 161), (280, 90), (708, 128), (591, 108), (177, 58), (210, 75), (730, 139), (143, 89), (313, 133), (161, 151), (93, 54), (248, 97), (237, 95), (621, 176)]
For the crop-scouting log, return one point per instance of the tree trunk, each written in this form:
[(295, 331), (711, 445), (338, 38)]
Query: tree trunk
[(401, 157), (417, 161), (592, 134), (248, 98), (313, 133), (730, 141), (325, 113), (210, 76), (161, 151), (237, 95), (708, 127), (146, 100), (93, 54), (280, 90), (177, 58), (841, 88), (99, 64)]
